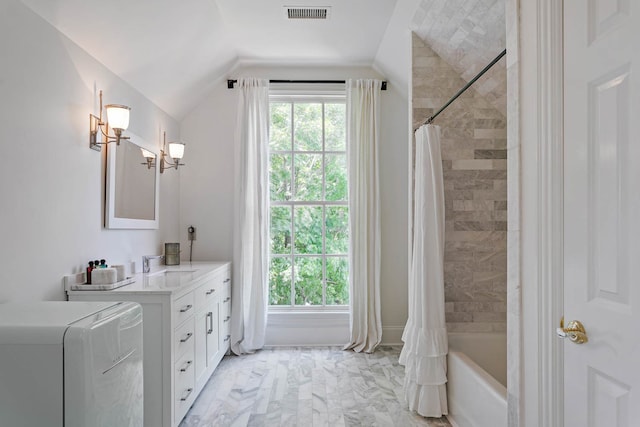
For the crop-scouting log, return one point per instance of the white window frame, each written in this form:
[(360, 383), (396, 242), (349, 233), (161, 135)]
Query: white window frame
[(308, 96)]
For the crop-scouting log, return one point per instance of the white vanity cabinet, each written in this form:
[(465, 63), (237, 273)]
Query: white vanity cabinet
[(210, 344), (186, 316)]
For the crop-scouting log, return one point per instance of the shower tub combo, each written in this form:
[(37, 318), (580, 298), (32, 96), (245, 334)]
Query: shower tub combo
[(477, 377)]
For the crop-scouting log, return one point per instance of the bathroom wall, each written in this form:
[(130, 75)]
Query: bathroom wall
[(473, 139), (51, 183), (467, 35), (207, 185)]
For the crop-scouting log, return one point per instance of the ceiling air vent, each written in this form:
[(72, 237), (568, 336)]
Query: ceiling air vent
[(307, 12)]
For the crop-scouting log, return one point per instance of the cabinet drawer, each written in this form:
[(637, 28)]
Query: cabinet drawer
[(184, 385), (183, 308), (225, 303), (225, 316), (225, 339), (225, 278), (183, 338), (206, 293)]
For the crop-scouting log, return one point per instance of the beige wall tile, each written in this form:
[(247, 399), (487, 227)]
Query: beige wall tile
[(473, 143)]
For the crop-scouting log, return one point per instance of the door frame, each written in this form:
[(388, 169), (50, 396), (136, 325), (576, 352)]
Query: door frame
[(550, 210), (535, 285)]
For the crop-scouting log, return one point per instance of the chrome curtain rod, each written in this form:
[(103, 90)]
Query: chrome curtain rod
[(231, 83), (461, 91)]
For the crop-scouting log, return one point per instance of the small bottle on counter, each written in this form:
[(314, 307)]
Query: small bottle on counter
[(103, 263), (89, 272)]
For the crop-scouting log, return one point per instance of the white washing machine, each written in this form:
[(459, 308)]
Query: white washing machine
[(71, 364)]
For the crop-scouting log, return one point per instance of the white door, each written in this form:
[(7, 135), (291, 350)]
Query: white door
[(602, 211)]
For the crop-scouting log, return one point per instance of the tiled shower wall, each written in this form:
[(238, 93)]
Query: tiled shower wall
[(474, 142), (467, 35)]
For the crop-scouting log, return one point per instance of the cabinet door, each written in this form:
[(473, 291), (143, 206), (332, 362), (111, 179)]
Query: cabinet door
[(202, 326), (212, 335)]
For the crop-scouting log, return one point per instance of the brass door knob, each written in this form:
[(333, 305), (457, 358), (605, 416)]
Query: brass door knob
[(574, 331)]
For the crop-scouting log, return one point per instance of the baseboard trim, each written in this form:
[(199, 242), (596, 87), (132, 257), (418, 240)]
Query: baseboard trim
[(392, 335)]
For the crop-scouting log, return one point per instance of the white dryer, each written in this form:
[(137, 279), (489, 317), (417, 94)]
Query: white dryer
[(71, 364)]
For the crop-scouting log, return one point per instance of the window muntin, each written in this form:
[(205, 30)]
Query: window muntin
[(309, 220)]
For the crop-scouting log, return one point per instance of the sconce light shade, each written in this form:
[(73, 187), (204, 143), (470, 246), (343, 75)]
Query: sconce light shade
[(117, 119), (147, 154), (149, 157), (118, 116), (176, 150)]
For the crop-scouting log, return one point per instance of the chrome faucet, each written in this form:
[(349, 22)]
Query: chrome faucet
[(146, 259)]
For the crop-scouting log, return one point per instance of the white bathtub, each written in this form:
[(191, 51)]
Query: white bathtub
[(477, 371)]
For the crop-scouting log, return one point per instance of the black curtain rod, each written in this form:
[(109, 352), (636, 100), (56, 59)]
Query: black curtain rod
[(231, 83), (467, 86)]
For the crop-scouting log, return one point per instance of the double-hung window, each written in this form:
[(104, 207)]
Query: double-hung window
[(309, 214)]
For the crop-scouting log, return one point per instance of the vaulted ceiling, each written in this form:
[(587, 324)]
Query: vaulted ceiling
[(174, 51)]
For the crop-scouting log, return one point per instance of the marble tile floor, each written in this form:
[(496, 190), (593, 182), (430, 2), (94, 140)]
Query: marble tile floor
[(307, 387)]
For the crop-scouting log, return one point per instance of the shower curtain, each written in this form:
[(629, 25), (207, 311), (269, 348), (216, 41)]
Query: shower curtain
[(424, 353)]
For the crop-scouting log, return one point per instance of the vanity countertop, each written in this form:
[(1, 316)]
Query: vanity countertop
[(175, 279)]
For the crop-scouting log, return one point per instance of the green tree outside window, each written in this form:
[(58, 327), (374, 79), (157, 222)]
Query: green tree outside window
[(309, 215)]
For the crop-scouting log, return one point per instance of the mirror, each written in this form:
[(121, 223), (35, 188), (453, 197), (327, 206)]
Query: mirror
[(132, 185)]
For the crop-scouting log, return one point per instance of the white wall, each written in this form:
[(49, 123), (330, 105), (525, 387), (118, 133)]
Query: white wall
[(51, 183), (207, 187), (206, 182), (394, 155)]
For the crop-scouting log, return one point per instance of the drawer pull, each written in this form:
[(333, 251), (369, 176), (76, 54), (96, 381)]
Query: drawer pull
[(186, 308), (227, 299), (210, 291), (227, 280), (185, 339), (186, 396), (227, 338), (186, 366), (210, 317), (226, 319)]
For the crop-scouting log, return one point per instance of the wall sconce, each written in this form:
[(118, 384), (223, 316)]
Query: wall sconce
[(176, 152), (117, 119), (149, 157)]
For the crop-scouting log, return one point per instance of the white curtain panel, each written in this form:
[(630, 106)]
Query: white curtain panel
[(251, 233), (424, 353), (363, 135)]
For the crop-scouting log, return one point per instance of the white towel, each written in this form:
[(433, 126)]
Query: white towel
[(120, 270), (104, 276)]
